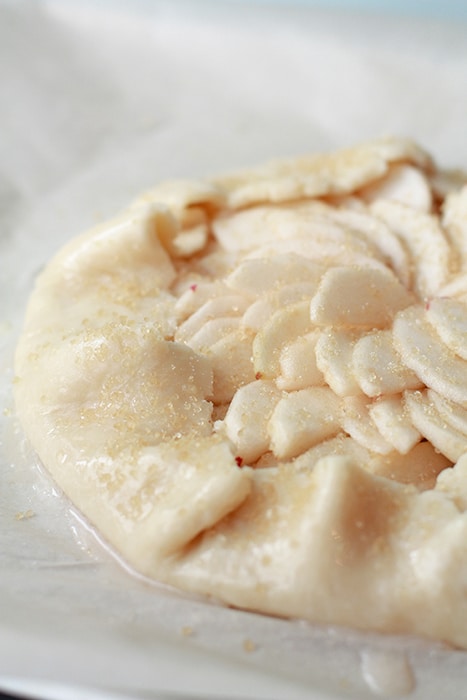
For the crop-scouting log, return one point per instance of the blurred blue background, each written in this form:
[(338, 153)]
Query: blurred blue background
[(448, 9), (434, 9)]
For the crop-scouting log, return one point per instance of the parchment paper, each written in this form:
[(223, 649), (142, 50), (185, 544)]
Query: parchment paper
[(99, 101)]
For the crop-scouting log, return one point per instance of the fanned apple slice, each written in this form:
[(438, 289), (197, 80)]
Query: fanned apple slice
[(429, 421), (303, 418), (230, 359), (353, 296), (423, 351), (323, 252), (259, 313), (246, 420), (334, 349), (254, 228), (390, 246), (297, 362), (350, 225), (449, 318), (378, 368), (256, 276), (424, 237), (212, 331), (285, 325), (391, 417), (454, 414), (358, 423), (227, 306), (294, 293), (197, 293)]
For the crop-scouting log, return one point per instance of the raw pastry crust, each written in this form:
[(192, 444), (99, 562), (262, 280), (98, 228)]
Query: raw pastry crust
[(256, 387)]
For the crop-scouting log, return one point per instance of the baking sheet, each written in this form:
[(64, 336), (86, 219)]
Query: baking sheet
[(98, 102)]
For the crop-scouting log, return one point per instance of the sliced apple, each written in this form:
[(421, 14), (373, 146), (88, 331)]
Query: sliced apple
[(392, 419), (298, 368), (334, 350), (362, 297), (285, 325), (378, 367), (429, 421), (247, 417), (423, 351), (358, 423), (303, 418), (425, 240)]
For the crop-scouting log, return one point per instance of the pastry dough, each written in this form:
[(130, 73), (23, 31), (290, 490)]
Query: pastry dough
[(255, 388)]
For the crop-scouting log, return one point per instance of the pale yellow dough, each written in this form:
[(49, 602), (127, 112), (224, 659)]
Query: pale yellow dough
[(255, 388)]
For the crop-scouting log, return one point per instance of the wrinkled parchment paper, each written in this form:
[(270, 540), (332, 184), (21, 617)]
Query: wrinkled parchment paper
[(99, 101)]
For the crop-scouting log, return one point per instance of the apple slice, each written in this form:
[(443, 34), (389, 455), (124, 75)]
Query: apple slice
[(303, 418), (425, 240), (362, 297), (358, 423), (423, 351), (392, 419), (298, 368), (285, 325), (247, 417), (227, 306), (378, 367), (449, 318), (334, 349), (429, 421)]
